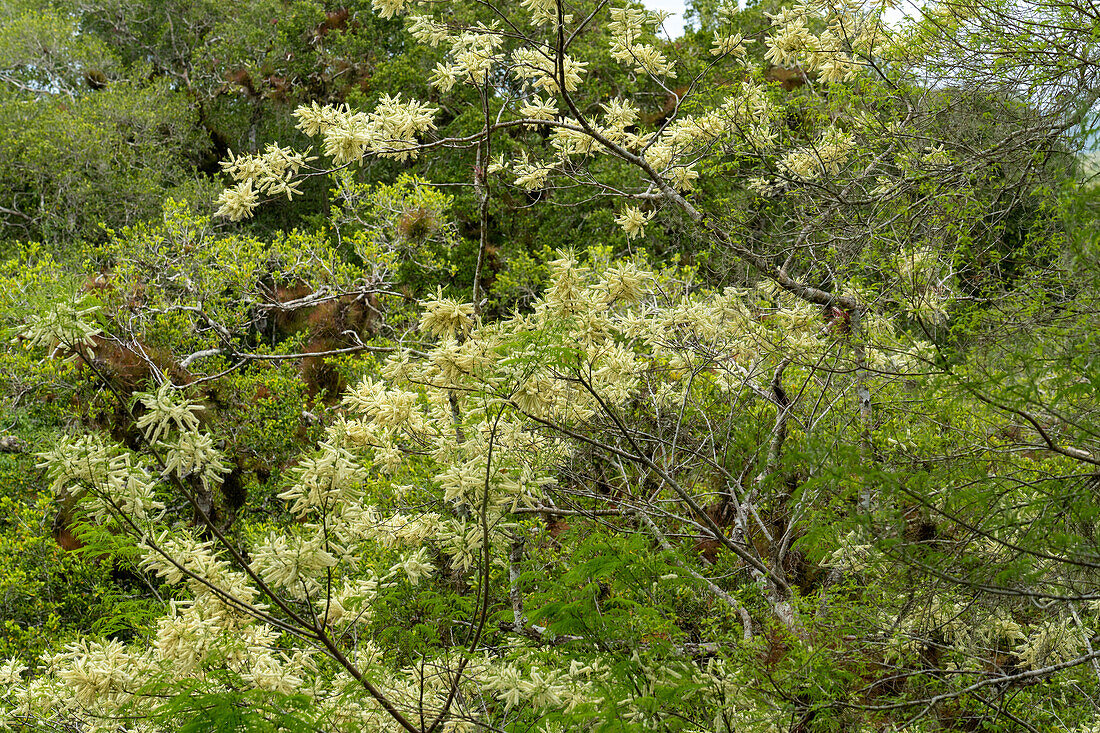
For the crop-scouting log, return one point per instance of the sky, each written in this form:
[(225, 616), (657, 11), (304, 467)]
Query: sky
[(675, 24)]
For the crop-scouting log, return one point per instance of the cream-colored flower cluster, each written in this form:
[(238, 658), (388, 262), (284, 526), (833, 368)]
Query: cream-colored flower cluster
[(825, 157), (853, 31), (737, 710), (273, 172), (627, 27), (790, 39), (538, 68), (98, 672), (425, 29), (985, 634), (193, 454), (472, 54), (93, 681), (633, 221), (393, 126), (105, 480), (238, 202), (1051, 642), (570, 140), (293, 564), (446, 318), (924, 279), (325, 484), (165, 412), (390, 131), (76, 464), (536, 108), (742, 121), (542, 688), (389, 8), (67, 327), (729, 45), (530, 176), (180, 557), (856, 553), (130, 490), (543, 11)]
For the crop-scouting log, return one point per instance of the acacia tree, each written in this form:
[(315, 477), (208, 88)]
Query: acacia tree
[(624, 397)]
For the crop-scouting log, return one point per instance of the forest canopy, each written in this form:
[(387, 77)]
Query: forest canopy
[(492, 366)]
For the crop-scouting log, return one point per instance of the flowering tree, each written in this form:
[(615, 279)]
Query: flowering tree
[(761, 426)]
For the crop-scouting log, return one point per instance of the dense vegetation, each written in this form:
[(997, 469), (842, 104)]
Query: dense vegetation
[(509, 366)]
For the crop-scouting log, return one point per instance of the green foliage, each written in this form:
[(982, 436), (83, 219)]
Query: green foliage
[(47, 595), (242, 711), (107, 158), (617, 591), (402, 234)]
